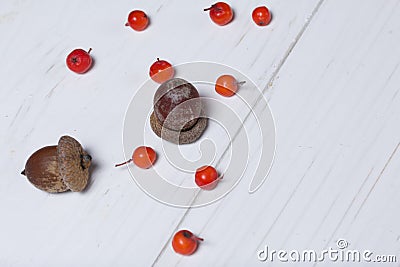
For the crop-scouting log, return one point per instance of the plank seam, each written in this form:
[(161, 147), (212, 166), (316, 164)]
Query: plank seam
[(377, 180)]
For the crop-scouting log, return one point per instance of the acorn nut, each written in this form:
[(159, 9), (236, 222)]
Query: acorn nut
[(178, 114), (59, 168)]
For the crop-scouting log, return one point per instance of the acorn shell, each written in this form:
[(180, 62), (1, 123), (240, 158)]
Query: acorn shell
[(42, 170), (171, 95)]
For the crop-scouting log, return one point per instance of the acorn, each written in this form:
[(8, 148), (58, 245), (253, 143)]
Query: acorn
[(178, 112), (59, 168)]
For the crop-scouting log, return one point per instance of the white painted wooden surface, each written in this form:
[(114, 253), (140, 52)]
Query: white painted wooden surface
[(329, 69)]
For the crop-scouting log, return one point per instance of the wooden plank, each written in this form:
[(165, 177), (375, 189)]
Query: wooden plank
[(336, 108), (113, 222)]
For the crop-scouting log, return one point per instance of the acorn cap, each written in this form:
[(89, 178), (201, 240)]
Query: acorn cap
[(178, 137), (73, 163)]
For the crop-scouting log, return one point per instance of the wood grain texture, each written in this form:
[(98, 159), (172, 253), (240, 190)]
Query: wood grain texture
[(329, 69), (335, 122)]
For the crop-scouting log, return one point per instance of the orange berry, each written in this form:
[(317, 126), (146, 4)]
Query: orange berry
[(143, 157), (226, 85)]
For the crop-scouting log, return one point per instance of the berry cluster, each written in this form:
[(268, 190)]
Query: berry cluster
[(221, 13)]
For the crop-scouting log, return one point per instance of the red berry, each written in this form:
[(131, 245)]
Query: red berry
[(226, 85), (79, 60), (185, 243), (137, 20), (161, 71), (221, 13), (261, 16), (143, 157), (206, 177)]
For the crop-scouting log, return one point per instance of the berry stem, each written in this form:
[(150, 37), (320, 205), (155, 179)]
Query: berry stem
[(123, 163), (127, 24), (209, 8), (90, 50), (241, 83), (198, 238)]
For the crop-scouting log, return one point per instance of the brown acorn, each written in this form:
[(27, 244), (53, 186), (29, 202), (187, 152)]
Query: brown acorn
[(178, 115), (59, 168), (173, 95)]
